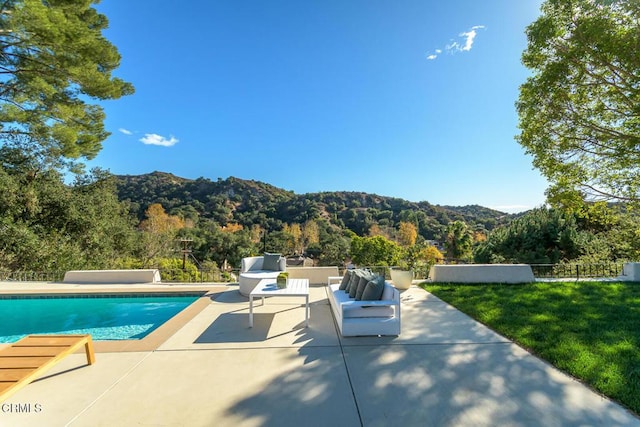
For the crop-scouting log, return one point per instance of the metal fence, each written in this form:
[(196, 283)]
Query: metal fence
[(32, 276), (540, 271), (421, 272), (576, 271), (198, 276), (170, 276)]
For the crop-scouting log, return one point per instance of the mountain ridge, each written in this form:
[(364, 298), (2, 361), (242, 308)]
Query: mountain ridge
[(250, 202)]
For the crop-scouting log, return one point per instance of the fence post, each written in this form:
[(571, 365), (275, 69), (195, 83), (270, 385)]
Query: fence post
[(577, 271)]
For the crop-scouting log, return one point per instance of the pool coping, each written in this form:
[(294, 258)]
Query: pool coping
[(157, 337)]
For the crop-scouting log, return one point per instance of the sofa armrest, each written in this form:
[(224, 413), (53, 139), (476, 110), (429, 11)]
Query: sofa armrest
[(332, 280), (251, 263)]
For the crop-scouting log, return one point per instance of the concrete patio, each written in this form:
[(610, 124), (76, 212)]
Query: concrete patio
[(445, 369)]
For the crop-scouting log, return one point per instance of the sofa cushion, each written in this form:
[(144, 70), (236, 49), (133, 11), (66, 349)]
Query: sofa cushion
[(260, 274), (349, 275), (271, 262), (387, 293), (345, 279), (373, 290), (355, 281), (362, 284), (339, 296)]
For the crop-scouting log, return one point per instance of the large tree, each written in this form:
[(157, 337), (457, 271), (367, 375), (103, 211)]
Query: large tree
[(47, 225), (458, 241), (580, 109), (53, 61)]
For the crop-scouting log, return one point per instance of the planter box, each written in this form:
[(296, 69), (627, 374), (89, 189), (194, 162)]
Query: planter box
[(482, 273), (112, 276)]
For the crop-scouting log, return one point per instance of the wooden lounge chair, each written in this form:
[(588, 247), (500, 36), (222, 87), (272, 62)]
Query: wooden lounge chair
[(28, 358)]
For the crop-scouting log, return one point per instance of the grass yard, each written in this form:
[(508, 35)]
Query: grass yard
[(590, 330)]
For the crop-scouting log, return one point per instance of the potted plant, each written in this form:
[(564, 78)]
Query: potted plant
[(402, 274), (281, 280)]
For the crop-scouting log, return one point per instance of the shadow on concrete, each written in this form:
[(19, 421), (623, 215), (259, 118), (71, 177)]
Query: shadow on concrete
[(466, 376), (315, 391)]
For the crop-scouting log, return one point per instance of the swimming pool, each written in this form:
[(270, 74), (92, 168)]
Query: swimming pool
[(105, 317)]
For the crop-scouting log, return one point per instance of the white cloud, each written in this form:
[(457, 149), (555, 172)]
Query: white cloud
[(469, 37), (125, 131), (155, 139), (464, 45)]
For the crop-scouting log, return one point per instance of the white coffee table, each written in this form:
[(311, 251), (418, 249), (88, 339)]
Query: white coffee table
[(268, 288)]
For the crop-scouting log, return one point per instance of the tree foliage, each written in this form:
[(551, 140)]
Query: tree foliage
[(542, 236), (53, 60), (252, 203), (580, 110), (407, 234), (376, 250), (159, 233), (458, 241), (48, 225)]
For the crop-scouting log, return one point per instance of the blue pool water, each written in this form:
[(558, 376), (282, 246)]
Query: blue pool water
[(105, 317)]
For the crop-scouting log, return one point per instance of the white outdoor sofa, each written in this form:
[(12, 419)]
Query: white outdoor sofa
[(365, 318), (252, 272)]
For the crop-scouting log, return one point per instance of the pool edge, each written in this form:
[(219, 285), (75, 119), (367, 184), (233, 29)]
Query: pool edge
[(156, 338)]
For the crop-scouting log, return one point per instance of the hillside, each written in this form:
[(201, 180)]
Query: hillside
[(250, 202)]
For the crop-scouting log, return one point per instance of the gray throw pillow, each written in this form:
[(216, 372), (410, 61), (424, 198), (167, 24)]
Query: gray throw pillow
[(349, 276), (373, 290), (362, 284), (345, 280), (271, 262), (353, 283)]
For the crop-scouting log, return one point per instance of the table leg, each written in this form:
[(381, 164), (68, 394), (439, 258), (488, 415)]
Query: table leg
[(250, 311), (306, 311)]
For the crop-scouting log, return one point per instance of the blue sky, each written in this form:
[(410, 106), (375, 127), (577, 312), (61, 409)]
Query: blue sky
[(401, 98)]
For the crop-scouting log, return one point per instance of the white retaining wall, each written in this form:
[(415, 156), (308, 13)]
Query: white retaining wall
[(112, 276), (630, 272), (316, 275), (482, 273)]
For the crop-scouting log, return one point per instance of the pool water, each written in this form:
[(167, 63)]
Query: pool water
[(104, 317)]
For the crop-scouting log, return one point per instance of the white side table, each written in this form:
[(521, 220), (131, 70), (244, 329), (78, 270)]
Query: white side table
[(268, 288)]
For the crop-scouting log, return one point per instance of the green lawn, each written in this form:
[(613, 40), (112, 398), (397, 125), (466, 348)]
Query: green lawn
[(590, 330)]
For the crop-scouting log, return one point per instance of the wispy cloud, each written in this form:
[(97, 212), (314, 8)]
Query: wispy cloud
[(434, 55), (125, 131), (155, 139), (464, 44)]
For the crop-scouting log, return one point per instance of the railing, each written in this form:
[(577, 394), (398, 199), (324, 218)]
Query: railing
[(198, 276), (32, 276), (176, 275), (421, 272), (541, 271), (576, 271)]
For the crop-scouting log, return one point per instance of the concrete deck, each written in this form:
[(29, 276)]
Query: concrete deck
[(445, 369)]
